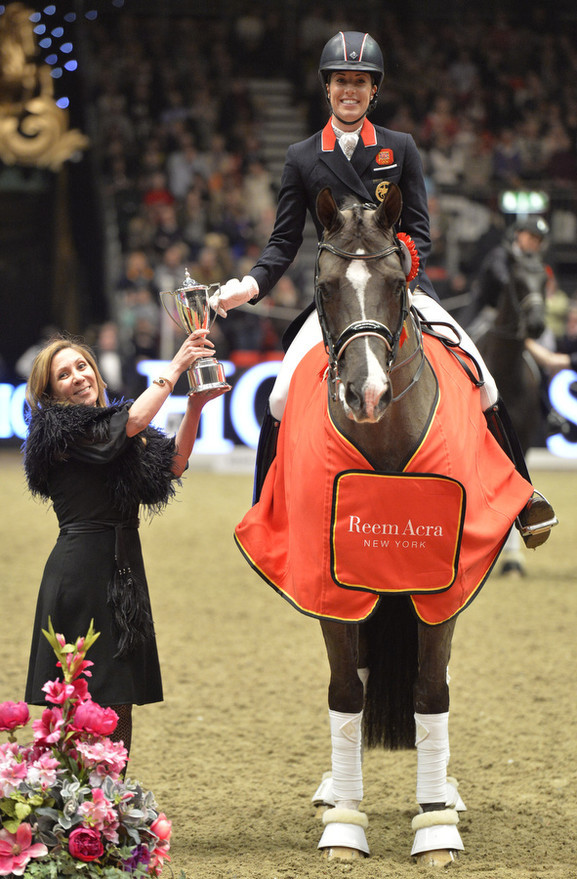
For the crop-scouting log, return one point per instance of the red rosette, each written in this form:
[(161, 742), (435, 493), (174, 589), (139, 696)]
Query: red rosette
[(411, 251)]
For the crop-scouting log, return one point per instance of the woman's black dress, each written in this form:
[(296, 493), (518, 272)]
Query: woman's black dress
[(97, 477)]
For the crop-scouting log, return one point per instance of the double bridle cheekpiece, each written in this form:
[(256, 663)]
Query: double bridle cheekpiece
[(359, 328)]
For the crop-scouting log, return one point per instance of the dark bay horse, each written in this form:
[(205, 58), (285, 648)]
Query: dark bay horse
[(379, 401), (519, 315)]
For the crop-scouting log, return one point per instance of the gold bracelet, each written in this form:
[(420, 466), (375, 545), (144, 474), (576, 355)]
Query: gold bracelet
[(161, 381)]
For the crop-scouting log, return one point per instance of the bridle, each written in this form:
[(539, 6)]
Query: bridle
[(359, 328)]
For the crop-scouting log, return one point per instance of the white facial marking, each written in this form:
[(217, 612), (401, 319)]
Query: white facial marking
[(377, 382)]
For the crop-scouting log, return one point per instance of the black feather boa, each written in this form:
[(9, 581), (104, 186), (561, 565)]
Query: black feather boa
[(141, 473)]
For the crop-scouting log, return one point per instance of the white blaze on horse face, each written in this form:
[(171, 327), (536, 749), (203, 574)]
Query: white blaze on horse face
[(377, 381)]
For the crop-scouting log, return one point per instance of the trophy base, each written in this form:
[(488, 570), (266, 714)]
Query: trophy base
[(206, 374)]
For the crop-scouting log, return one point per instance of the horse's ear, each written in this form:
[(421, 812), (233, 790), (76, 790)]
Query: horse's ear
[(327, 210), (389, 210)]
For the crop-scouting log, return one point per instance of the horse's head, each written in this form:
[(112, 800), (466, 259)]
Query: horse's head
[(528, 280), (361, 297)]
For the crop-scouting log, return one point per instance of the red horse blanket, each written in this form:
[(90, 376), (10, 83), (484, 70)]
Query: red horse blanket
[(332, 535)]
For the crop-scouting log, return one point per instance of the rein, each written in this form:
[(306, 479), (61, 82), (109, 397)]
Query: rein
[(360, 328)]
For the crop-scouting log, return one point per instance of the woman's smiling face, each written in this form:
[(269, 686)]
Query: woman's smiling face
[(350, 93), (72, 379)]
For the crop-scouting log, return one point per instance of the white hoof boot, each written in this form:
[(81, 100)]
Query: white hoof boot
[(437, 839), (344, 834), (323, 796)]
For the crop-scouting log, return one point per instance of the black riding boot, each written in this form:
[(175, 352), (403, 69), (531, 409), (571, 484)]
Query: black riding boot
[(265, 452), (537, 517)]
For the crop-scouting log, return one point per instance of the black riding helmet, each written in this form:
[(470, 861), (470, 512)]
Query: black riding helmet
[(352, 50), (535, 225)]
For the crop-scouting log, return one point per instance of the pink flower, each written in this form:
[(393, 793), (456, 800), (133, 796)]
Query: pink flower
[(12, 768), (85, 844), (13, 715), (43, 772), (58, 692), (90, 717), (103, 758), (100, 815), (48, 729), (162, 828), (16, 850)]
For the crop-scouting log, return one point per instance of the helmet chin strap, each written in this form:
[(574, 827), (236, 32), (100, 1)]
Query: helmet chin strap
[(346, 121)]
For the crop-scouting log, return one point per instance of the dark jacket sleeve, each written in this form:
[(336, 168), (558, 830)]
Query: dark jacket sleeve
[(287, 235)]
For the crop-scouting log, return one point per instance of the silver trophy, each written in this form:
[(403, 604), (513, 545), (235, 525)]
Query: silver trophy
[(190, 302)]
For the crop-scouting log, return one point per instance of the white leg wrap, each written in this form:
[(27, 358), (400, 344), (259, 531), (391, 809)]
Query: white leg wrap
[(306, 338), (433, 311), (346, 759), (432, 741)]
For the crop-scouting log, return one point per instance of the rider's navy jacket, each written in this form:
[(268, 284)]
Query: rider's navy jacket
[(381, 156)]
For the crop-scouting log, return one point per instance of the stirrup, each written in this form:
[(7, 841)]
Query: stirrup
[(536, 520)]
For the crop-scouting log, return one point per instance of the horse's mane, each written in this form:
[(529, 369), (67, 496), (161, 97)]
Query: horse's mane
[(356, 226)]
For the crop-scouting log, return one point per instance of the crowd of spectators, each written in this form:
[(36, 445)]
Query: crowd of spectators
[(491, 103)]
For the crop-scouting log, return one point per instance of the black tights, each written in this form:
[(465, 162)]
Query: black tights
[(123, 731)]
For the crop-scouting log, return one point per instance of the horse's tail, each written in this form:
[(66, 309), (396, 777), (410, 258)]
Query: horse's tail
[(392, 639)]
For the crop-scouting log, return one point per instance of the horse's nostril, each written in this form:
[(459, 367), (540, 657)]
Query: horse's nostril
[(353, 398)]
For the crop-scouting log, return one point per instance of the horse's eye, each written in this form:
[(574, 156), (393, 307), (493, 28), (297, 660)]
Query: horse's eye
[(323, 290)]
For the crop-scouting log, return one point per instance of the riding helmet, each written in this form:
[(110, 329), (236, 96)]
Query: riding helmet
[(535, 225), (352, 50)]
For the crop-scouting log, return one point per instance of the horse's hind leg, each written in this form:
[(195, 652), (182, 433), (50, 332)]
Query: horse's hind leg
[(344, 833), (436, 836)]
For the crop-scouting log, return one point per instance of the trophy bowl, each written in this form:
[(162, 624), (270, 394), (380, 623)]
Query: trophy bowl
[(190, 310)]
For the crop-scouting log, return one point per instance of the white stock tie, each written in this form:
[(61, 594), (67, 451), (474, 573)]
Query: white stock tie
[(348, 143)]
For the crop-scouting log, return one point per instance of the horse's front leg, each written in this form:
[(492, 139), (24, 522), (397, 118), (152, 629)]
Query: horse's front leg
[(437, 838), (344, 833)]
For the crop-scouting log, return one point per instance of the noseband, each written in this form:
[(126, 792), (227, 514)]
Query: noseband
[(359, 328)]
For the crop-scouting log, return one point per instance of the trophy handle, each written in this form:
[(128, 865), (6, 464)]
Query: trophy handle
[(216, 285), (174, 321)]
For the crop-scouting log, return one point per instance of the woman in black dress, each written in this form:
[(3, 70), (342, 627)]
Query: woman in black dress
[(97, 463)]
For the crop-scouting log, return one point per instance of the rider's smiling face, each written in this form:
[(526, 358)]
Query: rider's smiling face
[(349, 94)]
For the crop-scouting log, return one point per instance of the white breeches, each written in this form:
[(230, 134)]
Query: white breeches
[(310, 333)]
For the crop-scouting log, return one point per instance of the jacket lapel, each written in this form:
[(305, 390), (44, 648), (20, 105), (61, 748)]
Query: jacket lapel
[(334, 158)]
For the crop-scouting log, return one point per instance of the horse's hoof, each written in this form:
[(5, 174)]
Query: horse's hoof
[(438, 858), (344, 834), (512, 568), (436, 838), (341, 853)]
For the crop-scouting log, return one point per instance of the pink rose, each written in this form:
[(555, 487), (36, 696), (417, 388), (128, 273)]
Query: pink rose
[(13, 714), (85, 844), (162, 827), (93, 718)]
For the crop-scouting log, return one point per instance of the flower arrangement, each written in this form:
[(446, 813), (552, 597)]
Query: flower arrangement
[(65, 807)]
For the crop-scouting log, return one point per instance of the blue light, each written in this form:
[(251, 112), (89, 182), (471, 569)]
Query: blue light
[(63, 103), (49, 10), (118, 3), (66, 47), (40, 29), (36, 16), (71, 65), (45, 43), (52, 59), (56, 72), (70, 16), (91, 14), (57, 32)]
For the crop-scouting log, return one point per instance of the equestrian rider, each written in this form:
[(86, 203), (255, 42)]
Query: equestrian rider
[(354, 158)]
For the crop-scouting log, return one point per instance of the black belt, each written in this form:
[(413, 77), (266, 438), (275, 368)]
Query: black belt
[(127, 594)]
